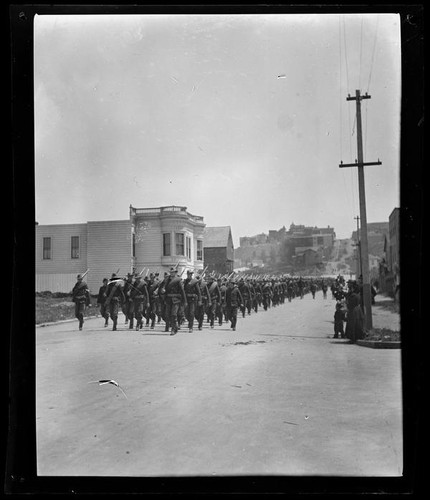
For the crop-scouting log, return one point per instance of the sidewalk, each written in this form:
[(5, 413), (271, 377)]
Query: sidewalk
[(383, 315)]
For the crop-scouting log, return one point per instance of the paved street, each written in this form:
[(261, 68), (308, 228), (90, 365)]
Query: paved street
[(278, 396)]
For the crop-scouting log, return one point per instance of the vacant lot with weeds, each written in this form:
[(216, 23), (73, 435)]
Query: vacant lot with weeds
[(52, 307)]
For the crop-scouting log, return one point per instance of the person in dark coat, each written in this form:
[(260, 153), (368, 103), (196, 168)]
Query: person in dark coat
[(128, 305), (194, 298), (81, 298), (101, 299), (221, 306), (175, 294), (154, 301), (339, 318), (140, 296), (206, 301), (352, 302), (234, 301), (215, 296), (114, 298)]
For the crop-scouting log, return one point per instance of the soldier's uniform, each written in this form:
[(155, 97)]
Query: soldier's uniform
[(139, 295), (267, 294), (257, 295), (128, 305), (154, 301), (81, 298), (194, 298), (221, 306), (114, 299), (174, 296), (101, 301), (206, 302), (313, 289), (234, 301), (215, 296)]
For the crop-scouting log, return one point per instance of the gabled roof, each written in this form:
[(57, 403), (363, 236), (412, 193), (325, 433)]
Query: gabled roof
[(216, 236)]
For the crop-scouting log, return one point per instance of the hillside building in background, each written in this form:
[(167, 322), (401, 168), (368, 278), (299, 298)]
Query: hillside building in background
[(218, 250), (389, 265), (307, 247), (151, 238)]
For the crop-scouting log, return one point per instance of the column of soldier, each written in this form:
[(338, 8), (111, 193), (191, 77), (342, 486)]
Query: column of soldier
[(187, 302)]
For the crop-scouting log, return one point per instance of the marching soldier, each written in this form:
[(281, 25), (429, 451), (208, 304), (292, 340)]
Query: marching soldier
[(101, 299), (162, 297), (221, 306), (140, 297), (128, 305), (257, 295), (267, 294), (194, 298), (81, 298), (154, 301), (174, 296), (114, 298), (206, 301), (215, 296), (234, 301)]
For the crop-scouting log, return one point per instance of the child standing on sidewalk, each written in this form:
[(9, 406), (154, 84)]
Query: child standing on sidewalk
[(339, 318)]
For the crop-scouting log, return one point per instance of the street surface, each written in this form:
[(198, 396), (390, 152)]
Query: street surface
[(279, 396)]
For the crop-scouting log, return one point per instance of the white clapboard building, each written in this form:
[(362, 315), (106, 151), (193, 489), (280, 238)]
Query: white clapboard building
[(153, 239)]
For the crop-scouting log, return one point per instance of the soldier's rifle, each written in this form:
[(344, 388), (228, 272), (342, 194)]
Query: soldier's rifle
[(85, 273)]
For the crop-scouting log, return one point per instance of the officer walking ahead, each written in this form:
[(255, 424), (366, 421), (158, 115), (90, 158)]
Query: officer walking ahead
[(174, 296), (81, 298), (114, 298), (101, 299), (194, 298), (234, 301)]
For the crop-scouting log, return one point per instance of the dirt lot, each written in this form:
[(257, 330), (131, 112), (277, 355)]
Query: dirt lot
[(59, 307)]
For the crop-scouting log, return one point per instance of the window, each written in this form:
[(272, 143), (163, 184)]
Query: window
[(133, 244), (75, 247), (188, 247), (179, 243), (166, 244), (46, 248), (199, 250)]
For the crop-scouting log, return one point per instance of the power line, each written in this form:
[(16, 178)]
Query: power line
[(361, 52), (373, 52)]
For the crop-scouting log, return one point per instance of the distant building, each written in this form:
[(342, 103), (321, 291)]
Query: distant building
[(389, 265), (258, 239), (302, 238), (152, 238), (218, 250), (277, 236), (308, 258)]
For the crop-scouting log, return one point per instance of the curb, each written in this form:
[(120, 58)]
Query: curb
[(378, 344), (70, 320)]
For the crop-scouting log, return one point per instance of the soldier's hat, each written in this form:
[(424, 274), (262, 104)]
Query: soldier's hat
[(190, 271), (130, 275), (113, 276), (79, 276), (173, 270)]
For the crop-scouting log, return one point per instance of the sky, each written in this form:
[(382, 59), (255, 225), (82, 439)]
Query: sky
[(243, 119)]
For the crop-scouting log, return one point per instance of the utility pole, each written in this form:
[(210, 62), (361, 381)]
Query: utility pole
[(367, 299), (358, 246)]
